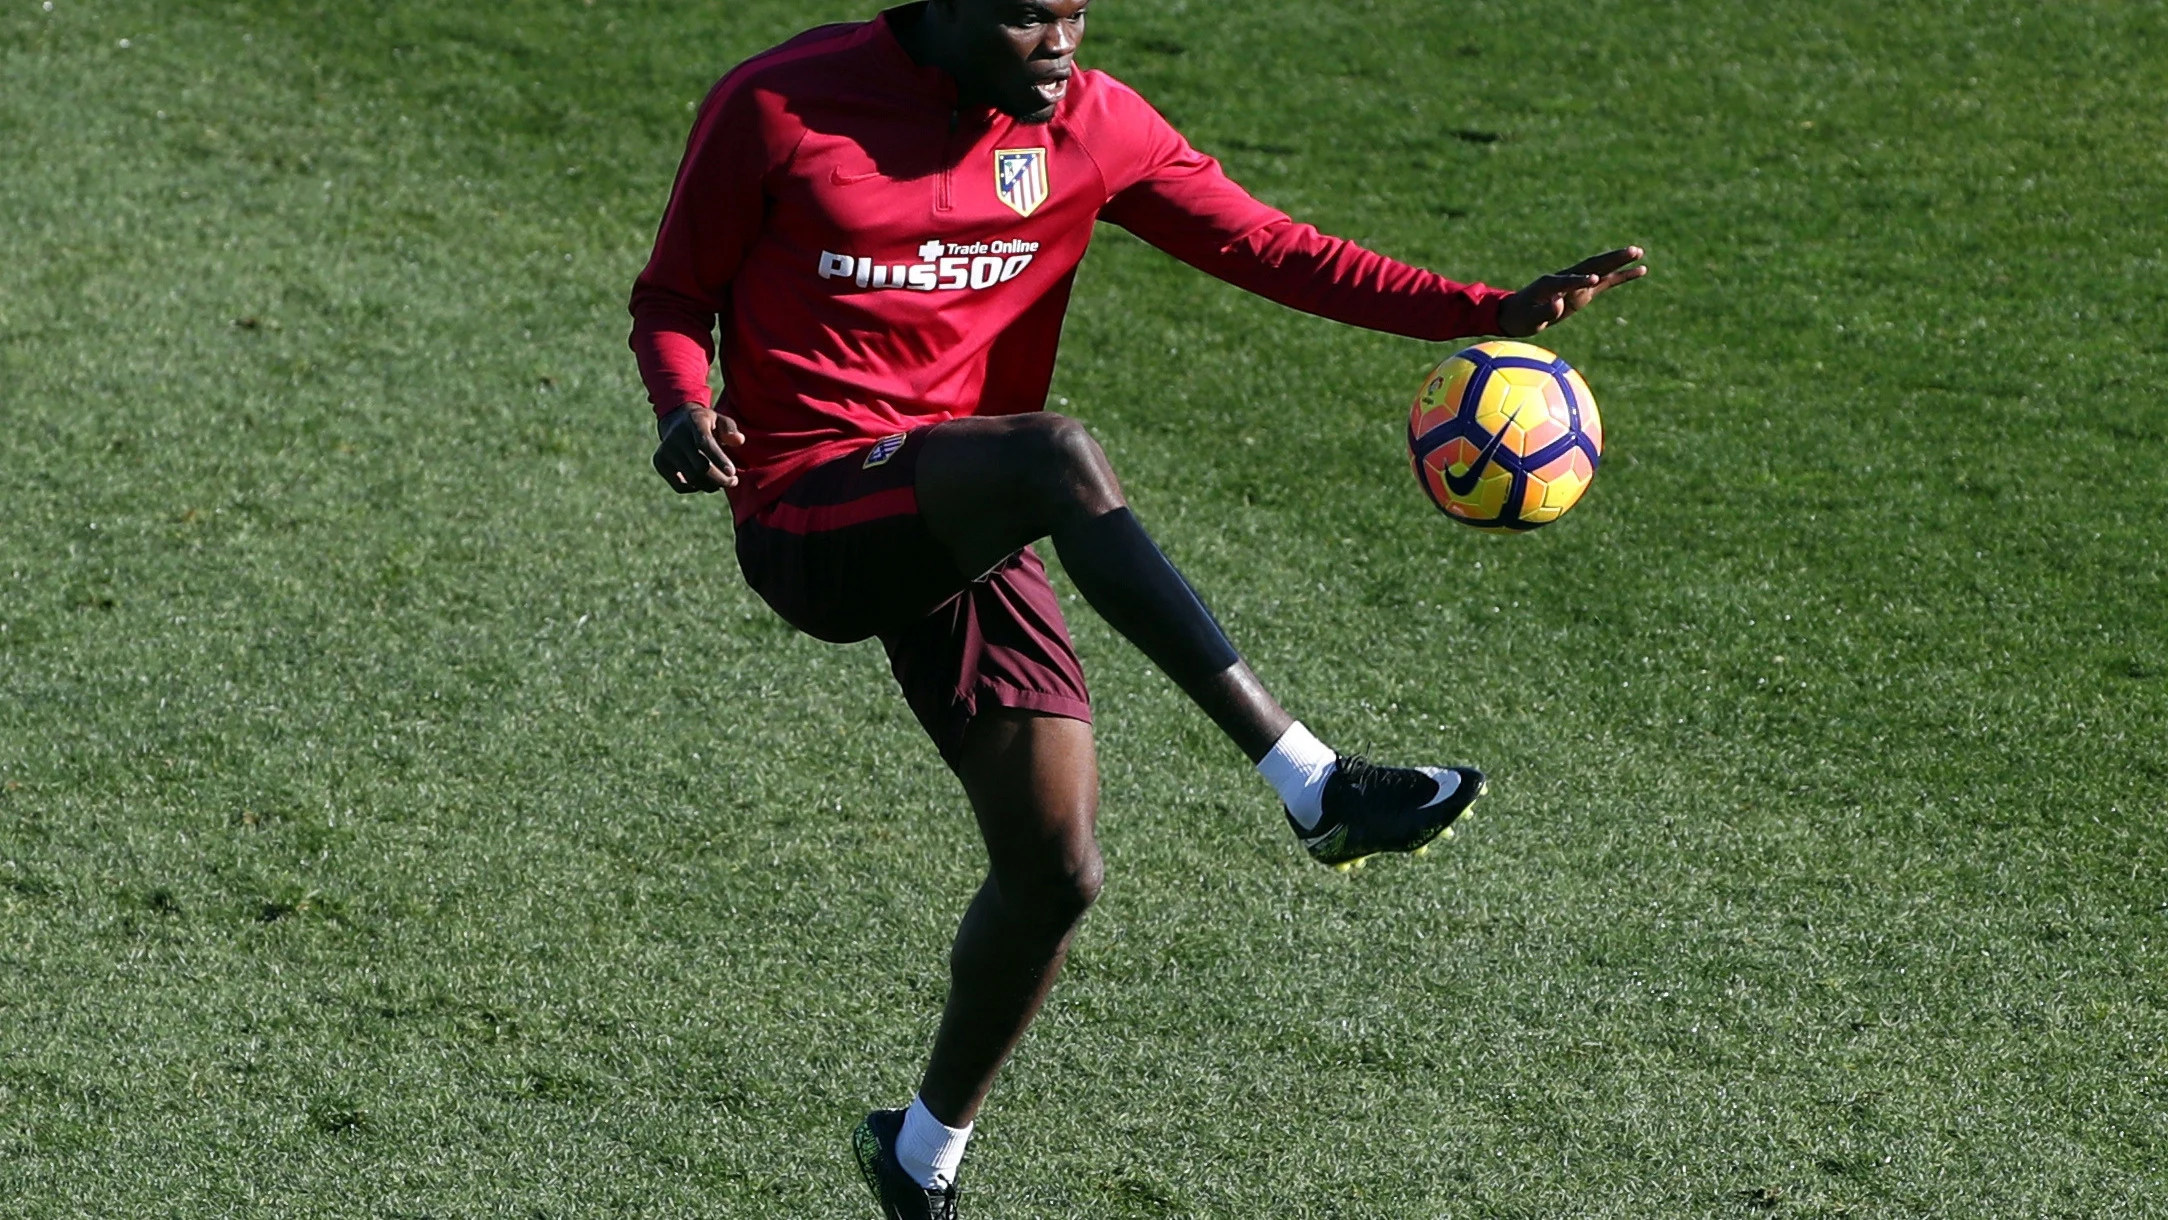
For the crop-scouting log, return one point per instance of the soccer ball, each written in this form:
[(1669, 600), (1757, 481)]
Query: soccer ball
[(1505, 436)]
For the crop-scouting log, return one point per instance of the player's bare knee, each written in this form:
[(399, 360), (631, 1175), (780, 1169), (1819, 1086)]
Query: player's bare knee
[(1072, 466), (1075, 451), (1067, 898), (1086, 877), (1053, 899)]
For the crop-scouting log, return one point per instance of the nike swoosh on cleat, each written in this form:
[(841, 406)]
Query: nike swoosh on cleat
[(1462, 484), (1439, 777)]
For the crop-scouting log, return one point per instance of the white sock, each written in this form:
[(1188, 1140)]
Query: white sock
[(1296, 768), (927, 1149)]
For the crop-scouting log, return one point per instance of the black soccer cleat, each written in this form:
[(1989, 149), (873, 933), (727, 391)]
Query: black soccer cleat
[(901, 1198), (1371, 809)]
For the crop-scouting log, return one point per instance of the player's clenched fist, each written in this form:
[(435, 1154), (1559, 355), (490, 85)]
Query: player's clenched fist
[(690, 457)]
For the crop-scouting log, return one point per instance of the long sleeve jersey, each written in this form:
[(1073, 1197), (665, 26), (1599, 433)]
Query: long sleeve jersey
[(881, 258)]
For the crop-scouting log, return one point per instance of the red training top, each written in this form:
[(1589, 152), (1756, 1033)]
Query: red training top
[(883, 259)]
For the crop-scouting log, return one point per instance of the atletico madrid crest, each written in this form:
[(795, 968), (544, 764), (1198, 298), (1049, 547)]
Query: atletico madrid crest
[(1020, 178)]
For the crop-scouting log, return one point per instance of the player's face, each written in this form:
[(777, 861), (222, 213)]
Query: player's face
[(1019, 53)]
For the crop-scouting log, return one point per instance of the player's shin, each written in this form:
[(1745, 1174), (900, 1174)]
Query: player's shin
[(1133, 586)]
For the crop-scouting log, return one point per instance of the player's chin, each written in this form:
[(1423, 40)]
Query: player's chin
[(1036, 111), (1036, 103)]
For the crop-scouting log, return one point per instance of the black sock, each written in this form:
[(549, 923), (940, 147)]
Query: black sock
[(1121, 572)]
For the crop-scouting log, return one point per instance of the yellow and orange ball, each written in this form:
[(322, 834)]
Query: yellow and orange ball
[(1505, 436)]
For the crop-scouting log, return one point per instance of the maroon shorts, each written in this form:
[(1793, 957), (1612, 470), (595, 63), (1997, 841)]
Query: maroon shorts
[(844, 556)]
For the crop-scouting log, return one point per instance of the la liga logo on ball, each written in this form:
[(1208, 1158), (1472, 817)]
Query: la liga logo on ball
[(1505, 436)]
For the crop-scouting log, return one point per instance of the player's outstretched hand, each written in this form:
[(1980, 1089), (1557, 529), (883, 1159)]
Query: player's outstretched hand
[(690, 457), (1554, 298)]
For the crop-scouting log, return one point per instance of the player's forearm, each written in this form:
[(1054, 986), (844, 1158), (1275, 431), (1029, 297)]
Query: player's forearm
[(1295, 265), (1192, 210), (674, 341)]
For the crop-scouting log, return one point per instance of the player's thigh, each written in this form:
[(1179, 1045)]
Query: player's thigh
[(1033, 779), (988, 486)]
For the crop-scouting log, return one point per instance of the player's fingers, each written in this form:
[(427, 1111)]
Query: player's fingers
[(689, 471), (726, 431), (706, 478), (1607, 283), (1561, 284), (1570, 281), (708, 443), (710, 454), (1605, 263), (673, 476)]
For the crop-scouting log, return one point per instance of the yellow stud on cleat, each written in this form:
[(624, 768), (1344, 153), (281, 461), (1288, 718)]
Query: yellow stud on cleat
[(1420, 852)]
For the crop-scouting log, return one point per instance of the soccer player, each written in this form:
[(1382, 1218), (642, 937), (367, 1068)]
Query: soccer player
[(886, 218)]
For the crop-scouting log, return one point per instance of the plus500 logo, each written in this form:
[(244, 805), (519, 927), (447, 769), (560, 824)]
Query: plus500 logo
[(945, 268)]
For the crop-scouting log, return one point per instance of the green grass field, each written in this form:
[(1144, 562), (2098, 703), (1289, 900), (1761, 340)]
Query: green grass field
[(405, 811)]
